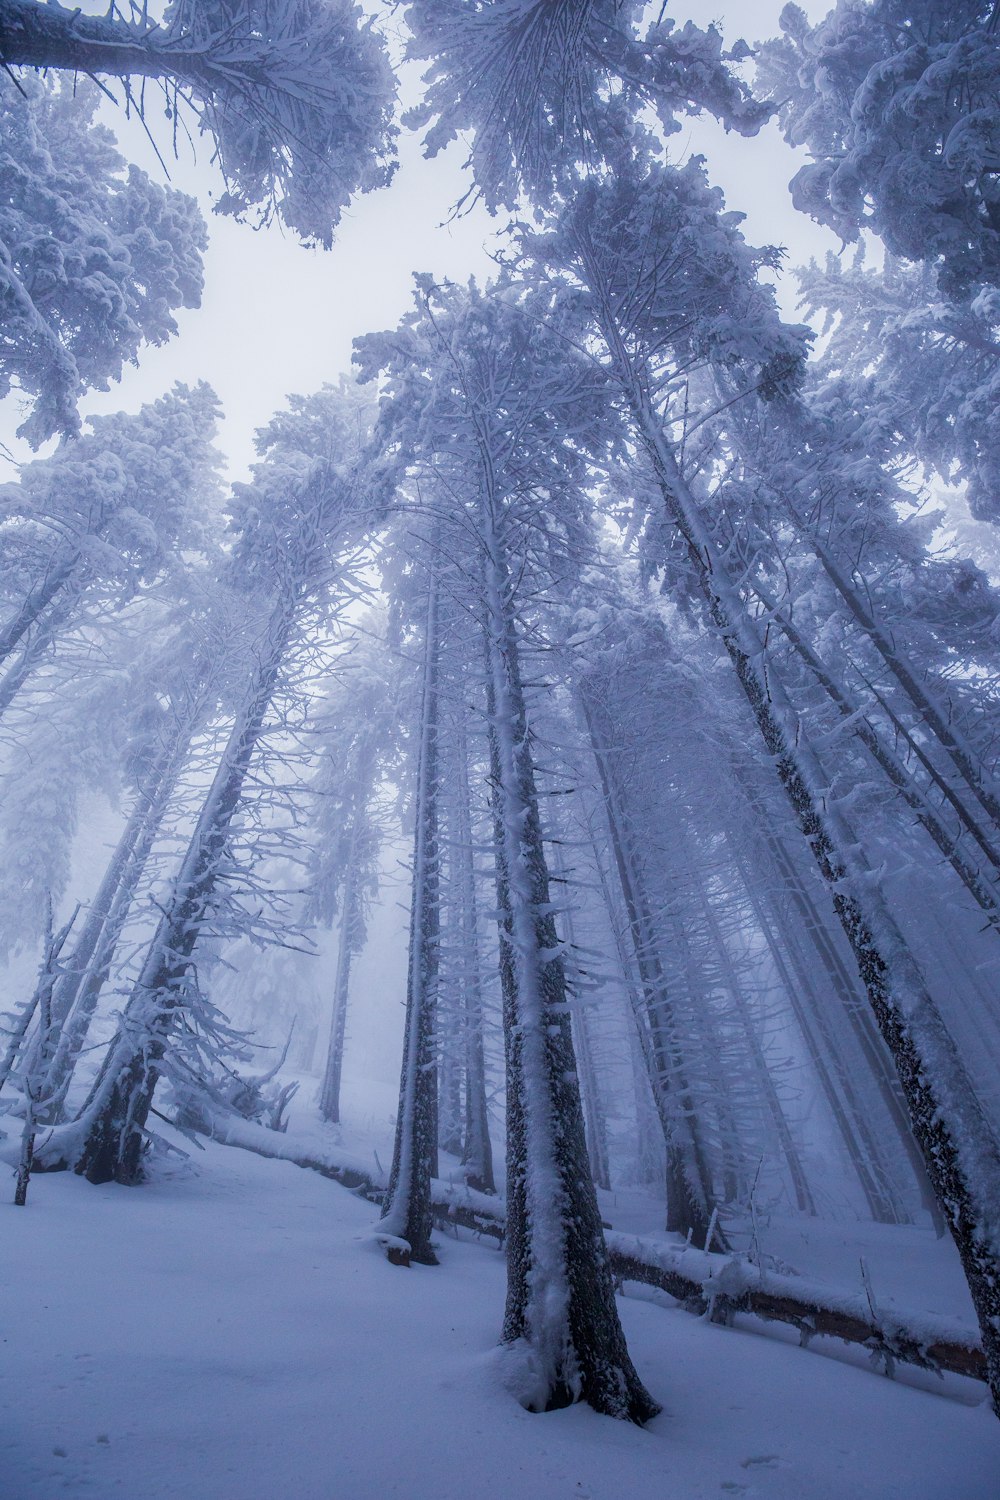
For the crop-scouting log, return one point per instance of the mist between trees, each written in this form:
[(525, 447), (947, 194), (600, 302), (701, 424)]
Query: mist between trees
[(633, 610)]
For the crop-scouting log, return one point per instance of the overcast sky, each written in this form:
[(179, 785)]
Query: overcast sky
[(277, 318)]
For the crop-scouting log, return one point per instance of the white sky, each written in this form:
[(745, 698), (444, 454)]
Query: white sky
[(277, 318)]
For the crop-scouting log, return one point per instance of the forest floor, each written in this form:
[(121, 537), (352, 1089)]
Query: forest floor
[(229, 1331)]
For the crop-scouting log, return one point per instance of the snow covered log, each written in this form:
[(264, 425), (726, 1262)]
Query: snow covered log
[(702, 1282), (722, 1285)]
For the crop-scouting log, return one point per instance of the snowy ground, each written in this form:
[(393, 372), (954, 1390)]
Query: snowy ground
[(227, 1334)]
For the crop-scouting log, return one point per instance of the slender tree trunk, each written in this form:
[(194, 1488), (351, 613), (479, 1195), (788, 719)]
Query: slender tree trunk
[(450, 1080), (981, 887), (793, 1161), (329, 1096), (407, 1215), (29, 1009), (79, 987), (688, 1181), (560, 1294), (40, 641), (40, 597), (116, 1116), (930, 714), (649, 1101), (477, 1150), (593, 1116)]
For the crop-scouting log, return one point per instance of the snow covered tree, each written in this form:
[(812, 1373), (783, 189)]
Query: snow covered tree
[(927, 366), (93, 259), (464, 936), (179, 685), (491, 400), (296, 95), (897, 103), (529, 78), (300, 523), (108, 514), (348, 828), (661, 300)]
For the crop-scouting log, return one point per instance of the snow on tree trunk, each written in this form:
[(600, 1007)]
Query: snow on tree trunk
[(407, 1217), (931, 715), (78, 989), (593, 1114), (560, 1316), (115, 1117), (915, 797)]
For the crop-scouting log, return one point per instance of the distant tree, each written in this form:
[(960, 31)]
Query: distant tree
[(93, 259), (297, 95), (358, 729), (407, 1216)]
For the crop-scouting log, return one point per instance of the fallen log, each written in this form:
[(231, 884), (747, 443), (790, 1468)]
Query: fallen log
[(721, 1286), (705, 1283)]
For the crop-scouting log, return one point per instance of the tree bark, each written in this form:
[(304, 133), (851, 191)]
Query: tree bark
[(33, 35), (560, 1293), (407, 1215)]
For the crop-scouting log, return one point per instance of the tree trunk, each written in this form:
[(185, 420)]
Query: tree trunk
[(980, 887), (688, 1181), (329, 1096), (931, 716), (79, 987), (477, 1150), (560, 1295), (796, 1171), (117, 1113), (407, 1215), (41, 596), (593, 1116), (33, 35)]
